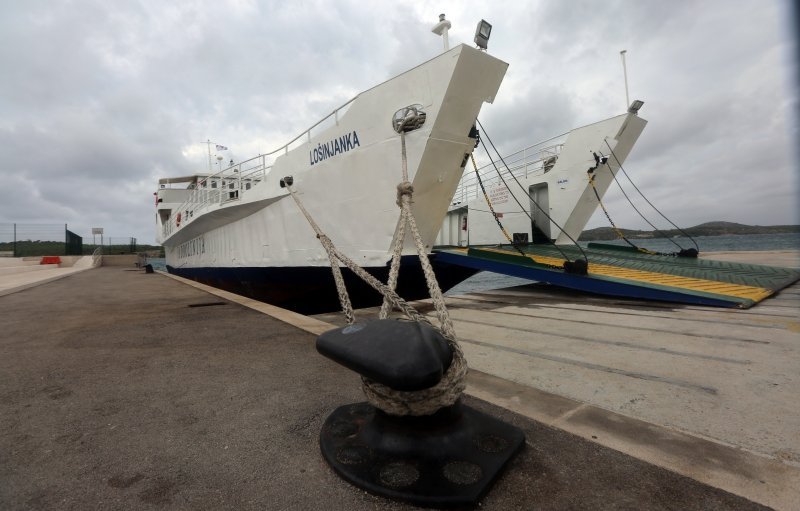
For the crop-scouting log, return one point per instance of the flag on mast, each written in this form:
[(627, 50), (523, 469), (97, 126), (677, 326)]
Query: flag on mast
[(221, 148)]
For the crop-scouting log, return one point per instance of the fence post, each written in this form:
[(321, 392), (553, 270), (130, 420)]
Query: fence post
[(14, 249)]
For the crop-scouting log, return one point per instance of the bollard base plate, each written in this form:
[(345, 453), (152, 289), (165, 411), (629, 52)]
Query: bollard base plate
[(450, 458)]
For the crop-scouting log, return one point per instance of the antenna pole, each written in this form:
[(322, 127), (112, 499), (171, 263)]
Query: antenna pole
[(441, 29), (625, 72)]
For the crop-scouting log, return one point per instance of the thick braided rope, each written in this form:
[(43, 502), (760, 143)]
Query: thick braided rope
[(344, 297), (400, 230), (376, 284), (452, 384), (394, 271)]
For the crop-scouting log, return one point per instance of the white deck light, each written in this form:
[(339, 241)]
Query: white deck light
[(635, 106), (482, 33)]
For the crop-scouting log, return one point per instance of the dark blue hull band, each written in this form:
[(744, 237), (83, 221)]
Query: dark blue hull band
[(311, 289)]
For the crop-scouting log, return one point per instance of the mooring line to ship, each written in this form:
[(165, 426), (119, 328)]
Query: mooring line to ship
[(646, 199), (577, 266), (522, 208), (682, 253), (617, 230), (452, 384)]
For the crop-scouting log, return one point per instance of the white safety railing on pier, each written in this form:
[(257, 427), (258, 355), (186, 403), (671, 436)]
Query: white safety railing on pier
[(532, 161), (97, 256), (232, 183)]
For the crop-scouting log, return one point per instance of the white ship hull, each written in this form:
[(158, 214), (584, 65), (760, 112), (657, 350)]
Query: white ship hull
[(240, 230)]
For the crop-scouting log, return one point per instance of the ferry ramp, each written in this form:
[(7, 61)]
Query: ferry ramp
[(623, 271)]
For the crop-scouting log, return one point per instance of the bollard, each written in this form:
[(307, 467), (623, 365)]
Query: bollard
[(449, 458)]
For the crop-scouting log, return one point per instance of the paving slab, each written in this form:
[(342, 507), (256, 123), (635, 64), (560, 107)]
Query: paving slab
[(126, 390)]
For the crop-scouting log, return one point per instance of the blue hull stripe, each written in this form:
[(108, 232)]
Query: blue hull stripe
[(312, 290)]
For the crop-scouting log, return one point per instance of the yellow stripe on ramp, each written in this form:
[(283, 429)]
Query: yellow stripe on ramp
[(660, 279)]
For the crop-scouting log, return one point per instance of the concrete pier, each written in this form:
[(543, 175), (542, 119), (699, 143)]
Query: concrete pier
[(126, 390)]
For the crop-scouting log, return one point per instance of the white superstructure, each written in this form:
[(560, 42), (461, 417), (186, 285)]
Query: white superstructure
[(554, 174)]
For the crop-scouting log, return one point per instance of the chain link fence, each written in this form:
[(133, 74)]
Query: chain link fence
[(22, 240), (114, 246), (34, 240)]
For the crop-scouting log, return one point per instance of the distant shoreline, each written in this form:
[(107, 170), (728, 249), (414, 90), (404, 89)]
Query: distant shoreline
[(705, 229)]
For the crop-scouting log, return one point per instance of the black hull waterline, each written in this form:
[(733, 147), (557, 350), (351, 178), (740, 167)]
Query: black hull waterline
[(312, 290)]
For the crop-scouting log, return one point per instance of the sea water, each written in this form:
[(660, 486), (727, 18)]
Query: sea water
[(487, 280)]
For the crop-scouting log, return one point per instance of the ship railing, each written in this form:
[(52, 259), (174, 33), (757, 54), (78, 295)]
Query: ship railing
[(232, 183), (97, 256), (531, 161)]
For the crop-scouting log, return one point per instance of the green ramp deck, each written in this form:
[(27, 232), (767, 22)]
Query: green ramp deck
[(623, 271)]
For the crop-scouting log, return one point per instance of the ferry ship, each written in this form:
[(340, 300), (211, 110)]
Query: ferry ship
[(544, 193), (239, 230)]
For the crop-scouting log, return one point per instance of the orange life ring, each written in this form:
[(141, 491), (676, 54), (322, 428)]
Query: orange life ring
[(178, 220)]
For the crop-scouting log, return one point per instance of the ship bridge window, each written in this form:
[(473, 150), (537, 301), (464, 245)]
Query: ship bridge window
[(214, 184)]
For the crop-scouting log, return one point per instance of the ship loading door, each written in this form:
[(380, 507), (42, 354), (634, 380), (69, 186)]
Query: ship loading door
[(540, 229), (463, 229)]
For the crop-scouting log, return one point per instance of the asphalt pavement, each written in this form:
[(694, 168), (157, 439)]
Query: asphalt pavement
[(126, 390)]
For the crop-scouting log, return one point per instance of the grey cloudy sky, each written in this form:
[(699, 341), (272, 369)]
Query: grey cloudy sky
[(98, 99)]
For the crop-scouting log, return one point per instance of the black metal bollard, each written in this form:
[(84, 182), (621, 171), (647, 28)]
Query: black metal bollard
[(449, 458)]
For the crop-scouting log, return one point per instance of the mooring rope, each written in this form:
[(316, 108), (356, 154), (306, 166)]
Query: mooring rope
[(617, 230), (697, 248), (452, 384), (528, 194), (683, 252)]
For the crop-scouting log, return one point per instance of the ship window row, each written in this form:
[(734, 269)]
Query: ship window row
[(229, 184)]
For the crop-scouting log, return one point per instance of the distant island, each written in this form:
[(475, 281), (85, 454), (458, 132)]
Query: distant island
[(706, 229)]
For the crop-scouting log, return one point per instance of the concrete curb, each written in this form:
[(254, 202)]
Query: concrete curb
[(754, 477), (310, 325)]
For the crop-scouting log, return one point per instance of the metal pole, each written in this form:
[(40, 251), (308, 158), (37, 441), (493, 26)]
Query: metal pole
[(625, 72), (15, 240)]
